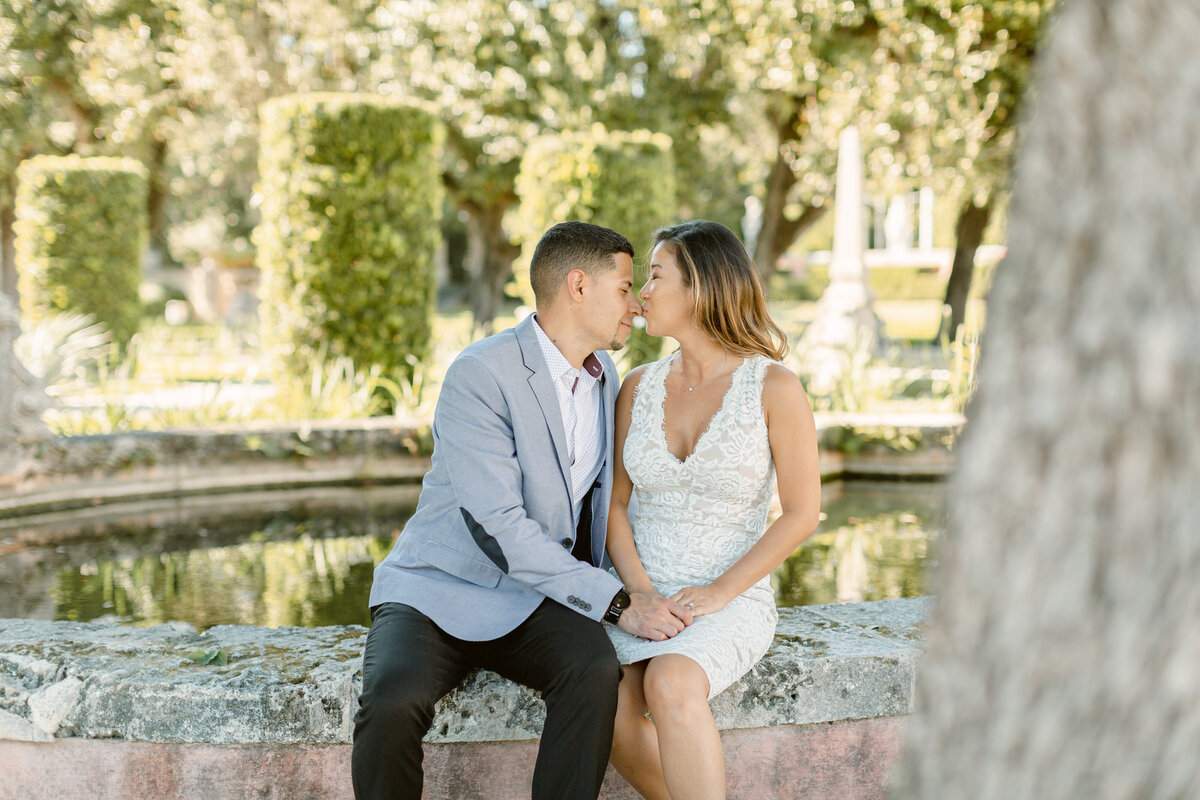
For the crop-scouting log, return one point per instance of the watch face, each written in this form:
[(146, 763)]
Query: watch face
[(622, 600)]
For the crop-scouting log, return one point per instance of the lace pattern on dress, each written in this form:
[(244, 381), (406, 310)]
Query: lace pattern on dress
[(695, 518)]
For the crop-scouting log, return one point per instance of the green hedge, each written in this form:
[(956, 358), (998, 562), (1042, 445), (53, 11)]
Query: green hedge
[(624, 180), (81, 227), (351, 204)]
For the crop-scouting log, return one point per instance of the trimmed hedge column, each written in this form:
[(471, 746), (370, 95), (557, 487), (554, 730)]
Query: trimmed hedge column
[(619, 179), (351, 201), (81, 228)]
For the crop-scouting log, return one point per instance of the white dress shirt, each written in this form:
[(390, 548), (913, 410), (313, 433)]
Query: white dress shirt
[(579, 401)]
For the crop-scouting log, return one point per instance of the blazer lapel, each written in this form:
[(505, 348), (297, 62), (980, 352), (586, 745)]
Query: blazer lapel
[(611, 384), (542, 385)]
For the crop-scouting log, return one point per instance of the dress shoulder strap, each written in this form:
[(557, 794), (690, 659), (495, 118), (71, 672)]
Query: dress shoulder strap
[(750, 383), (653, 380)]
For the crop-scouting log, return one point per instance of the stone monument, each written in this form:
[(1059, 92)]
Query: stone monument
[(845, 319), (22, 400)]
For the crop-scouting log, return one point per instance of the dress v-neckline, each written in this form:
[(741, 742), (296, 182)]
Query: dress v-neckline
[(662, 411)]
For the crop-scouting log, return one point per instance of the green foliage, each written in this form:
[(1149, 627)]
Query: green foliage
[(896, 379), (351, 200), (855, 439), (206, 657), (621, 180), (333, 388), (80, 231), (62, 347)]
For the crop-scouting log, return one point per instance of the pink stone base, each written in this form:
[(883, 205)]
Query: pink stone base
[(826, 761)]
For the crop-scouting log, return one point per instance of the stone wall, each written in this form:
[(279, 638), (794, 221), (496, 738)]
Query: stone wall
[(84, 471), (836, 678)]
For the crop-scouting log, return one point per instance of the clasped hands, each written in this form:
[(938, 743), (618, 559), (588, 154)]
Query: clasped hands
[(652, 616)]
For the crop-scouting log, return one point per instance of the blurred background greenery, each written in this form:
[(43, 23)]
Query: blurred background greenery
[(750, 95)]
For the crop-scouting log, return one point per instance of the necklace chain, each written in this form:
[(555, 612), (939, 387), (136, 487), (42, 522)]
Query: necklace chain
[(692, 388)]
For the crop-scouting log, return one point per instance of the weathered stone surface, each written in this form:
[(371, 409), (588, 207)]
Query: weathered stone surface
[(20, 729), (821, 669), (51, 704), (79, 472), (902, 620), (301, 685)]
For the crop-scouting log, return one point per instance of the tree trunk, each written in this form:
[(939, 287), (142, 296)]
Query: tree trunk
[(1061, 659), (490, 256), (778, 232), (8, 249), (968, 234), (157, 203)]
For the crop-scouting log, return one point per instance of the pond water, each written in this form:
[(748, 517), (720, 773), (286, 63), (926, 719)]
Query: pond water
[(306, 557)]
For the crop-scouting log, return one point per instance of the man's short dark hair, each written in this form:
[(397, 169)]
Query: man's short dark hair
[(572, 245)]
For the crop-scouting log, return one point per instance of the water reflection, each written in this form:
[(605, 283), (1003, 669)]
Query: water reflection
[(280, 558), (876, 541), (307, 557)]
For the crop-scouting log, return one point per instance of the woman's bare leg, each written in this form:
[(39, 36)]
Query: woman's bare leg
[(689, 746), (635, 742)]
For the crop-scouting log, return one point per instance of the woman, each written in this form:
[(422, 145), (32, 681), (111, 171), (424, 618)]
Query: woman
[(699, 435)]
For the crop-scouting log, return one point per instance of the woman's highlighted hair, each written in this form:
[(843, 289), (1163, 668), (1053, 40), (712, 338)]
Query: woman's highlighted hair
[(730, 304)]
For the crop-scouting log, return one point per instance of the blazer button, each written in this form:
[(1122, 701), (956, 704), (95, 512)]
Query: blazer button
[(566, 543)]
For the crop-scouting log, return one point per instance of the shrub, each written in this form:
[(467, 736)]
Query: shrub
[(81, 227), (619, 179), (351, 203)]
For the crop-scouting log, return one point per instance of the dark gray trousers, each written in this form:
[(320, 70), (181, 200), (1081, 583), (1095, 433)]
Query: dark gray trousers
[(410, 663)]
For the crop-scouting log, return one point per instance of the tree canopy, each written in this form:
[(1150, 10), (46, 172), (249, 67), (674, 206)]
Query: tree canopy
[(753, 94)]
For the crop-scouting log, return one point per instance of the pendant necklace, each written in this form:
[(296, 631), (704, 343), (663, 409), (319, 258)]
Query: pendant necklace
[(692, 388)]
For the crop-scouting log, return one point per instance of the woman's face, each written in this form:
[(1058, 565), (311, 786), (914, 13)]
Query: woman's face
[(667, 304)]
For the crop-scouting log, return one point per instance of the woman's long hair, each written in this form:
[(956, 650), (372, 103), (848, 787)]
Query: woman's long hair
[(731, 307)]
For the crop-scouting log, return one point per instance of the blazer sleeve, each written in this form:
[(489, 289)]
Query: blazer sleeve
[(474, 430)]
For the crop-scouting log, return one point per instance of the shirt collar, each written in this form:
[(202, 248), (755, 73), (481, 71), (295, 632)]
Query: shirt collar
[(558, 364)]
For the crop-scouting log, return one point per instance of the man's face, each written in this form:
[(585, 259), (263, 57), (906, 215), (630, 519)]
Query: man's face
[(612, 304)]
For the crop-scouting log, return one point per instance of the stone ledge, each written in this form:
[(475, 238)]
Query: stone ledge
[(81, 472), (300, 685)]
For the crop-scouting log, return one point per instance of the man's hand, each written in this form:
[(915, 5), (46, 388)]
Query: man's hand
[(654, 617)]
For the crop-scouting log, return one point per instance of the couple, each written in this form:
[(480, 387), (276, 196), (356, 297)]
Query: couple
[(536, 459)]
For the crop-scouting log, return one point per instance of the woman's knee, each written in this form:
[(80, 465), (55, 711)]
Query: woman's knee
[(674, 685)]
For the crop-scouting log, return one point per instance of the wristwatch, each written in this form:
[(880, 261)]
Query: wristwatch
[(619, 603)]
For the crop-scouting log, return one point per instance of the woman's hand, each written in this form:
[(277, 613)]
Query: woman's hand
[(700, 600)]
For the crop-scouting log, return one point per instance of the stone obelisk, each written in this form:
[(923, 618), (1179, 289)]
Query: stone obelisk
[(845, 318)]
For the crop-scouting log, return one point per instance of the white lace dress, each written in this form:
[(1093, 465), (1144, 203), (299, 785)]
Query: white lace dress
[(695, 518)]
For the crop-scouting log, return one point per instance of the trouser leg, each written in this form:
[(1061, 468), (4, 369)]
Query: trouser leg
[(408, 665), (569, 659)]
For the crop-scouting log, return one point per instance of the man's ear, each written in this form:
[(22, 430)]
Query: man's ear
[(576, 280)]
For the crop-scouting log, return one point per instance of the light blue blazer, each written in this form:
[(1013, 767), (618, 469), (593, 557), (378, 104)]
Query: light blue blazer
[(492, 534)]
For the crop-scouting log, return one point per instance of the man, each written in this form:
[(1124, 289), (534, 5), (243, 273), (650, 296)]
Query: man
[(499, 565)]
